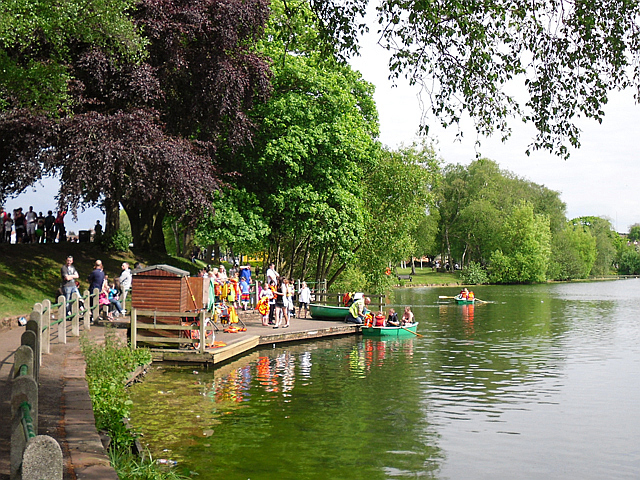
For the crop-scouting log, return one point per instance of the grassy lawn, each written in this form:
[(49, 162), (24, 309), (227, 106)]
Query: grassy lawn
[(31, 273), (426, 277)]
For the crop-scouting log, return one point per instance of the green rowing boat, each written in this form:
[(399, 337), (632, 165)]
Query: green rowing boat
[(463, 301), (390, 331), (328, 312)]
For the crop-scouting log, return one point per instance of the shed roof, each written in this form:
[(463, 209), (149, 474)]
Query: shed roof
[(165, 268)]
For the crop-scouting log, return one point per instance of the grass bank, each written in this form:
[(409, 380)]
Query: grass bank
[(31, 273)]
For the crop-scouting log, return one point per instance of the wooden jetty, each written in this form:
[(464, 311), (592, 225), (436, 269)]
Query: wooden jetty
[(239, 343)]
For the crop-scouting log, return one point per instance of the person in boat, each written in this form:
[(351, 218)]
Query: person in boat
[(470, 295), (392, 319), (464, 293), (379, 320), (358, 310), (407, 317)]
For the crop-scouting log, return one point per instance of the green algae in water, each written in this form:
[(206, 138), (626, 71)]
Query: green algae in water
[(344, 408)]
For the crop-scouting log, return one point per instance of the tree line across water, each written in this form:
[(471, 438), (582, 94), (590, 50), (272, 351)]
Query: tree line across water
[(239, 124)]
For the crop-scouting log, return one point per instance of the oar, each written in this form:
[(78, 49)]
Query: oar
[(444, 296), (410, 331), (482, 301)]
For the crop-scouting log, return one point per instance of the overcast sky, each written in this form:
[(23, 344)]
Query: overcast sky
[(601, 178)]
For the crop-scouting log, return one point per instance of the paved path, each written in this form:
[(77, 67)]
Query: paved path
[(65, 411)]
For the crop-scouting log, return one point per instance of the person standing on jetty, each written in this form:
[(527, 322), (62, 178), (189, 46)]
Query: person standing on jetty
[(125, 285), (69, 276)]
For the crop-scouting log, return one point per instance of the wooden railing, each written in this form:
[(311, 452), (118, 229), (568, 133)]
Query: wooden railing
[(198, 325)]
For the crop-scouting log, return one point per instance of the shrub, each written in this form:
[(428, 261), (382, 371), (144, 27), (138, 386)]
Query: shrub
[(117, 242), (474, 274)]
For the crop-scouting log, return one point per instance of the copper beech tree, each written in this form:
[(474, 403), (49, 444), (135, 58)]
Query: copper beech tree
[(144, 134)]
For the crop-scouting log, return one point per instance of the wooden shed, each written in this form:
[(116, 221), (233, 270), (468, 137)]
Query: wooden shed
[(168, 289)]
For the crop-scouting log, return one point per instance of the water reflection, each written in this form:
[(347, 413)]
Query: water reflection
[(540, 383)]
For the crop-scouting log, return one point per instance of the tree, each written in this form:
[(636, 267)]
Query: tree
[(602, 230), (38, 39), (525, 248), (154, 125), (467, 55), (634, 232), (573, 253)]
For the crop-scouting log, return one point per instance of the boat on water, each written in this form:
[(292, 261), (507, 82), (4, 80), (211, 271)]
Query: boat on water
[(408, 330), (463, 301), (328, 312)]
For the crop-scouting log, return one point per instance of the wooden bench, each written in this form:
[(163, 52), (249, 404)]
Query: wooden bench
[(404, 277)]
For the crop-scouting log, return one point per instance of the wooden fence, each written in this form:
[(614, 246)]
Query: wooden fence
[(191, 331)]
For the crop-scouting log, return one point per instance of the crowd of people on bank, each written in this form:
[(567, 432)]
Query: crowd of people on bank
[(31, 227), (111, 294)]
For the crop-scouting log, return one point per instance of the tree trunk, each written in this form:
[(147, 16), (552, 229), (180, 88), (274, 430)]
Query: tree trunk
[(146, 227), (188, 245), (176, 237), (413, 266), (305, 261), (112, 216)]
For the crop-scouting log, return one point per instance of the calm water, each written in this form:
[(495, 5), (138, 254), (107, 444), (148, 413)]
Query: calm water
[(544, 383)]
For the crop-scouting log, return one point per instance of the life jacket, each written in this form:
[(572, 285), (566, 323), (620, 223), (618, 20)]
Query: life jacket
[(379, 321), (368, 320), (463, 294), (470, 296), (347, 299), (353, 309), (263, 306)]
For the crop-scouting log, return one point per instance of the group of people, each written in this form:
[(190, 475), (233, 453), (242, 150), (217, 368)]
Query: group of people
[(275, 299), (111, 293), (30, 227), (360, 314), (233, 288), (465, 294)]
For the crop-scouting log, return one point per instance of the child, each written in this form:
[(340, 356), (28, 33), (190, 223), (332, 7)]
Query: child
[(264, 305), (8, 224), (392, 319), (291, 309), (304, 299), (407, 318), (244, 292), (114, 300)]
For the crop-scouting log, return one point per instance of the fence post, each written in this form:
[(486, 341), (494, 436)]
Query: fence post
[(87, 313), (33, 325), (30, 339), (75, 311), (134, 327), (36, 316), (22, 356), (62, 317), (203, 339), (42, 459), (95, 303), (24, 390), (46, 326)]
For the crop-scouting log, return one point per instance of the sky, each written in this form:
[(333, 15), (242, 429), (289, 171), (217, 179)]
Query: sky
[(601, 178)]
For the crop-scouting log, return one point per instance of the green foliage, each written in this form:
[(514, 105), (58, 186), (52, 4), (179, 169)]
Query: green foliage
[(634, 232), (37, 38), (116, 242), (574, 252), (474, 274), (629, 262), (399, 194), (525, 248), (108, 367), (606, 240), (130, 467), (351, 280)]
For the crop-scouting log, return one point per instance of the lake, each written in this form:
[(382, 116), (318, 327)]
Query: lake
[(541, 383)]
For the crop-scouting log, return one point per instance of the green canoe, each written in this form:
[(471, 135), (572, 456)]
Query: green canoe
[(408, 330), (328, 312), (463, 301)]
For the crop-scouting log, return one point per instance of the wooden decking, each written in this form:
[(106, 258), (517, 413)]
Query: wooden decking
[(237, 344)]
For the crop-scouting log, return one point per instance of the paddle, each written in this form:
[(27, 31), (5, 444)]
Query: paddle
[(416, 334)]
